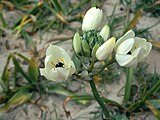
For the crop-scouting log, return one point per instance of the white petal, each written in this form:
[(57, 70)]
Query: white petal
[(58, 74), (54, 50), (45, 73), (105, 32), (139, 42), (138, 53), (129, 34), (126, 60), (92, 19), (72, 69), (59, 53), (148, 48), (125, 46), (50, 62), (105, 49), (54, 55)]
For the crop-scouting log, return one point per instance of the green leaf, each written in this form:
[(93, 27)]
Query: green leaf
[(3, 20), (85, 49), (5, 76), (18, 98), (153, 109), (120, 117), (33, 69), (19, 68), (28, 39), (90, 97), (62, 91), (57, 6), (59, 90), (77, 63)]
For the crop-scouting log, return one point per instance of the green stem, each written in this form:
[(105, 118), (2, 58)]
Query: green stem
[(100, 101), (107, 64), (129, 78), (134, 106)]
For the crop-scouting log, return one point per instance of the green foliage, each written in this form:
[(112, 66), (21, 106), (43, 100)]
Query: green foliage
[(149, 6), (19, 84)]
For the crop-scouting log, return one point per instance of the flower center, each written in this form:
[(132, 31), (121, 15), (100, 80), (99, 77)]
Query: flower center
[(60, 63), (129, 53)]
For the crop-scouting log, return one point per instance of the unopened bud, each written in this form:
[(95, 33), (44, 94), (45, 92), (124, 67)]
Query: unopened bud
[(77, 43)]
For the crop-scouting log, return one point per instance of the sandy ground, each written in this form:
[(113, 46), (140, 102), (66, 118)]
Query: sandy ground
[(53, 103)]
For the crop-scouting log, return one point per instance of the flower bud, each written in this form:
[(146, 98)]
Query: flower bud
[(77, 43), (104, 33), (96, 46), (105, 49), (92, 19), (91, 42), (85, 48)]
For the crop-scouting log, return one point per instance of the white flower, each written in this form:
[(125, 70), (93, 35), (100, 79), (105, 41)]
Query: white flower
[(130, 49), (105, 49), (92, 19), (104, 33), (58, 64)]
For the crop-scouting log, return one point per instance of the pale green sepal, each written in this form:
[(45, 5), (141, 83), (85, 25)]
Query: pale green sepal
[(85, 48), (96, 46), (105, 32), (77, 43)]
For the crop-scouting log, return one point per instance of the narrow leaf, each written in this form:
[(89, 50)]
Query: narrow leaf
[(134, 21), (153, 109), (28, 39), (5, 76), (18, 98), (33, 69), (19, 68)]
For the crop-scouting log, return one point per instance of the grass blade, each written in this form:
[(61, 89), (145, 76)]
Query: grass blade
[(153, 109), (18, 98), (5, 76), (134, 21), (33, 70), (19, 68)]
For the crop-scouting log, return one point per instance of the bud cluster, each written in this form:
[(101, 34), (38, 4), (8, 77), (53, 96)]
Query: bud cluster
[(90, 43)]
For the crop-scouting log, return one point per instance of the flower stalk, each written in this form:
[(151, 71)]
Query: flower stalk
[(99, 100), (129, 78)]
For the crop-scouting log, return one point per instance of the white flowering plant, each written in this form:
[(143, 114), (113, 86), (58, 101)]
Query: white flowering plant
[(94, 51)]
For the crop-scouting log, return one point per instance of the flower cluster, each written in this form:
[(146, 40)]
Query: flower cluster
[(129, 50), (95, 45)]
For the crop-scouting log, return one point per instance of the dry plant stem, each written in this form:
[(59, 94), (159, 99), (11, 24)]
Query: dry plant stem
[(100, 101)]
